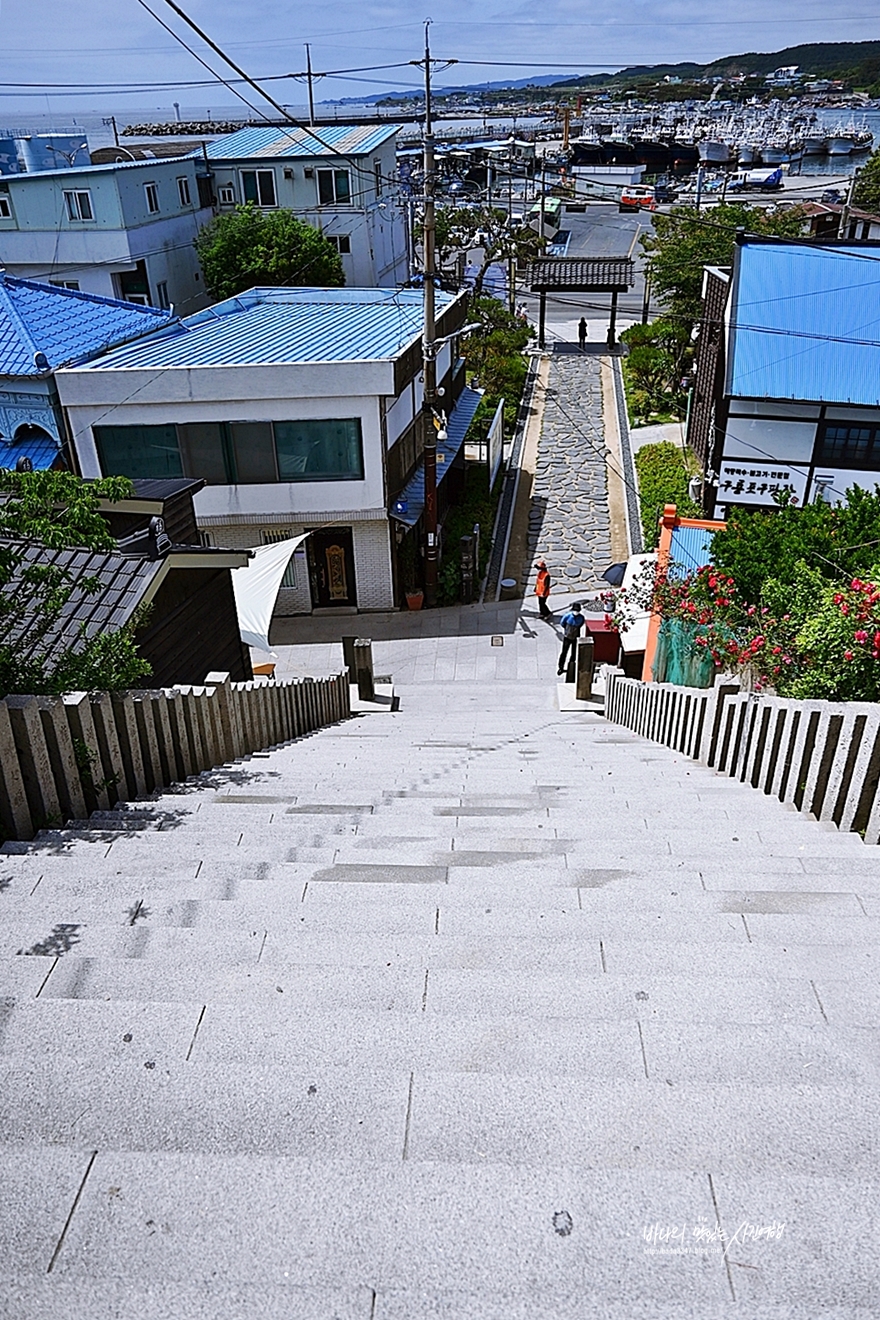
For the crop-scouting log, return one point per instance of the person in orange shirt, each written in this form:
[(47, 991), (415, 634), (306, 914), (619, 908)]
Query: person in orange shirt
[(542, 589)]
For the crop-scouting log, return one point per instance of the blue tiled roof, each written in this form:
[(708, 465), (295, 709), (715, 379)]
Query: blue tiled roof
[(285, 326), (64, 324), (413, 493), (805, 323), (327, 140), (42, 450)]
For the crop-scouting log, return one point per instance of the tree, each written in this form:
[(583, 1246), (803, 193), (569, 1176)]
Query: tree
[(654, 366), (834, 540), (249, 247), (462, 228), (686, 240), (867, 190), (56, 510)]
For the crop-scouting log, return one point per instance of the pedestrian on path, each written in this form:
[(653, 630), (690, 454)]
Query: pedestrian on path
[(582, 334), (572, 622), (542, 589)]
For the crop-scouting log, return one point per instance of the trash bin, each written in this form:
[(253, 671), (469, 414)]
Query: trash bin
[(509, 588)]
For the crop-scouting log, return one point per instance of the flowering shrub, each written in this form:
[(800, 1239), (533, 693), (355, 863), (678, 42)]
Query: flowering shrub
[(808, 638)]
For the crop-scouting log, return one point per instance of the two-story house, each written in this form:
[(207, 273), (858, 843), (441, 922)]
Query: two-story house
[(121, 230), (302, 411), (341, 179), (786, 398)]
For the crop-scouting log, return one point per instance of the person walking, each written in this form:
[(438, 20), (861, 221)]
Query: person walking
[(582, 334), (542, 589), (572, 622)]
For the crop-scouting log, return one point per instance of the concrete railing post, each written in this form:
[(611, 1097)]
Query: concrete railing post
[(125, 718), (147, 740), (179, 738), (62, 759), (112, 762), (33, 759), (15, 812), (88, 751), (224, 705)]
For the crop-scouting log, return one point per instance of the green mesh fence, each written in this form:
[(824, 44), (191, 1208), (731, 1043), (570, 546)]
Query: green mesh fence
[(679, 659)]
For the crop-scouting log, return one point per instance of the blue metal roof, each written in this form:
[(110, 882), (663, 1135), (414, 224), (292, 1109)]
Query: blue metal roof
[(327, 140), (266, 327), (691, 548), (805, 323), (413, 494), (64, 324)]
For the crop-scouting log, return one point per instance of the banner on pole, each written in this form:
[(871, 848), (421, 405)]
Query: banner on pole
[(496, 443)]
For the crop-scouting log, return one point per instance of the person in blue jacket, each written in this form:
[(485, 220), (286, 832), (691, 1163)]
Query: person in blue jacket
[(572, 622)]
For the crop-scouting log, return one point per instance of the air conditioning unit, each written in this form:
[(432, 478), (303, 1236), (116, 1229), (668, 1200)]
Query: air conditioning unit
[(288, 174), (309, 172)]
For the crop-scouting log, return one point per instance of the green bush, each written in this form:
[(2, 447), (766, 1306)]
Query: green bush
[(664, 471), (478, 505), (836, 541)]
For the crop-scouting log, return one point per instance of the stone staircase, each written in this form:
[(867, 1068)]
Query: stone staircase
[(436, 1014)]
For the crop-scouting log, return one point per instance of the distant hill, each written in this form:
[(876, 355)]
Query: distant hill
[(856, 61)]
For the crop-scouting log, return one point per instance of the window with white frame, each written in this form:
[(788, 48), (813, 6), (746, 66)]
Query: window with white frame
[(334, 188), (226, 195), (66, 284), (5, 207), (183, 191), (162, 294), (259, 186), (151, 192), (271, 536), (342, 243), (79, 204)]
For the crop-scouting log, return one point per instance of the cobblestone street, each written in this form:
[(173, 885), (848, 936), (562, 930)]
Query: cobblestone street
[(569, 522)]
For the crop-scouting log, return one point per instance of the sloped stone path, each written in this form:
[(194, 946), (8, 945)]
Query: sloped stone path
[(569, 522)]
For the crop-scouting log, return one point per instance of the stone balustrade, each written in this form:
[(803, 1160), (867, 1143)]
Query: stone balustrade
[(62, 758), (822, 757)]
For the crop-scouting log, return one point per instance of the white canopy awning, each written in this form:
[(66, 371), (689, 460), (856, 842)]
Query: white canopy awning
[(256, 586)]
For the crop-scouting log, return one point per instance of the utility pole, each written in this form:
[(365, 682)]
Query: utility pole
[(511, 262), (311, 87), (429, 348), (847, 206), (430, 422)]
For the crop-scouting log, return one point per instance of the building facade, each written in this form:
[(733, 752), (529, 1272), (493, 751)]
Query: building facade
[(786, 398), (301, 410), (121, 230), (340, 179)]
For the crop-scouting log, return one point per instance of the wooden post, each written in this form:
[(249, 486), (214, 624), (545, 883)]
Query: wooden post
[(612, 324)]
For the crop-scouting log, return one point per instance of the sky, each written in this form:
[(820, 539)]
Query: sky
[(101, 47)]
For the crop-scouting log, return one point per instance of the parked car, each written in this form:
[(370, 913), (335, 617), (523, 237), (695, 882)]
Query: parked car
[(637, 199)]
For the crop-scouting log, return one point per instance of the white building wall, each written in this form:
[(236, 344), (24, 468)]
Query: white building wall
[(372, 560)]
